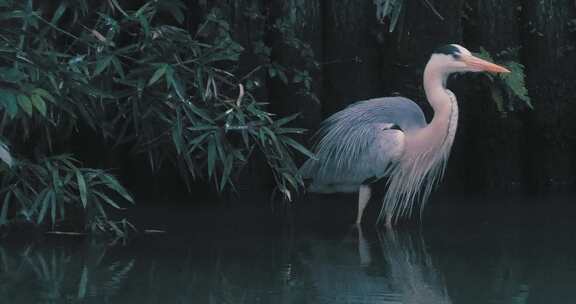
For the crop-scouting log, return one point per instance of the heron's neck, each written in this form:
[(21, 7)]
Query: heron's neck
[(439, 133), (436, 92)]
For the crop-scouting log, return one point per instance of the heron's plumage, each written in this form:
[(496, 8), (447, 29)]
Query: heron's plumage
[(390, 137), (361, 142), (421, 167)]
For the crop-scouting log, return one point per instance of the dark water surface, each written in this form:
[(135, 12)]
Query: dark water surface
[(512, 254)]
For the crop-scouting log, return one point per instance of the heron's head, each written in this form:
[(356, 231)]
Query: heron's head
[(453, 58)]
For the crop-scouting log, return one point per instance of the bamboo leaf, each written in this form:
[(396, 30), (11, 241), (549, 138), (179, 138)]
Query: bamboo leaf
[(39, 104), (102, 64), (107, 200), (5, 207), (100, 37), (175, 8), (5, 155), (158, 74), (82, 188), (118, 67), (45, 94), (282, 76), (177, 133), (271, 135), (197, 141), (113, 183), (115, 2), (294, 144), (45, 202), (116, 229), (290, 180), (25, 103), (145, 25), (228, 165), (58, 13), (10, 103), (219, 146), (290, 131), (211, 156), (282, 121), (175, 83), (200, 113), (142, 9), (202, 128)]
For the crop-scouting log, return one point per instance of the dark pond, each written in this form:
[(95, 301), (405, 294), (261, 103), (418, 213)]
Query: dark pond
[(461, 254)]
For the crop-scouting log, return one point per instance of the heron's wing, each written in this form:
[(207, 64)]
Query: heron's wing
[(362, 141), (397, 110), (368, 153)]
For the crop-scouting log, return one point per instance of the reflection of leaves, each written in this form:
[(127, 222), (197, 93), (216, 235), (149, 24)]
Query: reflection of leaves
[(83, 283), (118, 273), (61, 276)]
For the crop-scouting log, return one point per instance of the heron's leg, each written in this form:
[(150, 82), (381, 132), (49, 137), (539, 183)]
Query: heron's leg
[(363, 198), (363, 249), (388, 223)]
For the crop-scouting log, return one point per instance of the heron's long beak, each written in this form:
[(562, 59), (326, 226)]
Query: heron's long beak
[(483, 65)]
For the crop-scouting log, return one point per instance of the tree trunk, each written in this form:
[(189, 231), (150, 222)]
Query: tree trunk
[(494, 137), (549, 54), (351, 54)]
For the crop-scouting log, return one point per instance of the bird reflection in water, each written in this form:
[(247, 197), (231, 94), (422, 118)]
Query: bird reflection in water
[(374, 266)]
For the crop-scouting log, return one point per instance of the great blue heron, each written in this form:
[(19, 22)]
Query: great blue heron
[(389, 137)]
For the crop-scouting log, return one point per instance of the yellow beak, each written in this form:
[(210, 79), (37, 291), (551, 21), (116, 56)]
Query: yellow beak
[(483, 65)]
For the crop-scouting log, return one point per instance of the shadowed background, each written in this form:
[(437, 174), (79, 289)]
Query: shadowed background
[(499, 149)]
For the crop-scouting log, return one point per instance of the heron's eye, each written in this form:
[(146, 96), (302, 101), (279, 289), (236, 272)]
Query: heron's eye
[(456, 56)]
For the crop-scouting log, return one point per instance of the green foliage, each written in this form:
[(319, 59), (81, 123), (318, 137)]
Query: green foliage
[(43, 193), (5, 154), (295, 66), (389, 9), (392, 10), (165, 91), (510, 86)]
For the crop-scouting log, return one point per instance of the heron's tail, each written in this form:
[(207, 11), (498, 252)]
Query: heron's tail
[(309, 169)]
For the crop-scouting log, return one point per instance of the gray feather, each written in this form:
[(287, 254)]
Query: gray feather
[(358, 143)]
